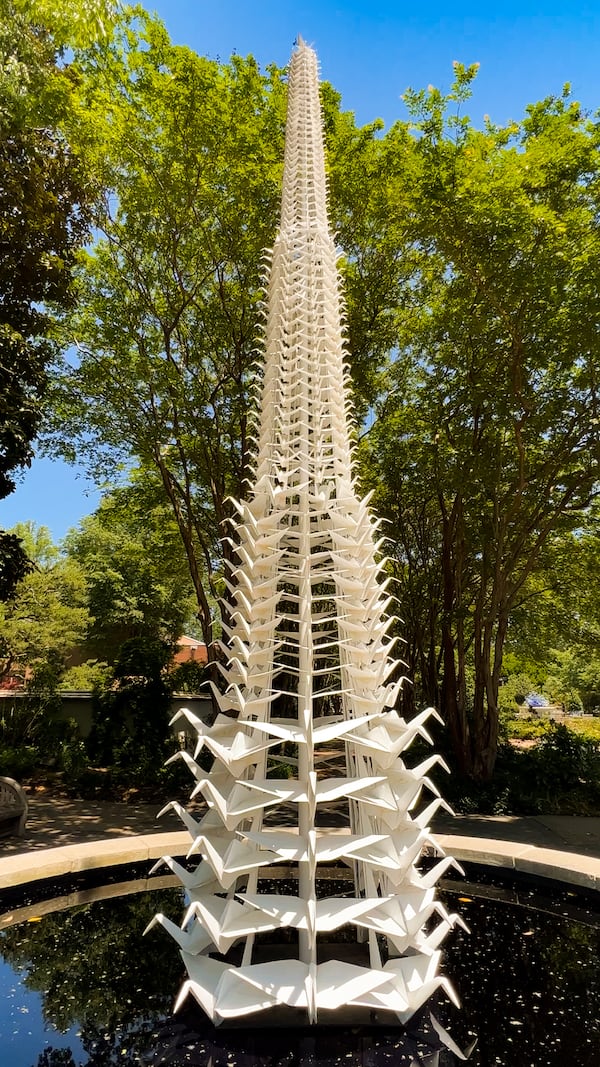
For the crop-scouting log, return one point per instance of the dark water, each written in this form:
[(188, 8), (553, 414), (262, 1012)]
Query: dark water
[(82, 988)]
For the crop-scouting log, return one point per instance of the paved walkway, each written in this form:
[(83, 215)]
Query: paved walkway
[(56, 821), (563, 833), (78, 834)]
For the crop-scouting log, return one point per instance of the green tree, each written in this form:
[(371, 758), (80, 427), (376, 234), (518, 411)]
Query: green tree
[(136, 571), (169, 298), (39, 627), (86, 677), (167, 317), (576, 578), (72, 23), (490, 421), (379, 261), (554, 633), (45, 204), (564, 618), (48, 615)]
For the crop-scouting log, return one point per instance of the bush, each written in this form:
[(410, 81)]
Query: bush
[(130, 726), (31, 723), (18, 762), (73, 760), (526, 729), (21, 723), (558, 776), (563, 762), (188, 677)]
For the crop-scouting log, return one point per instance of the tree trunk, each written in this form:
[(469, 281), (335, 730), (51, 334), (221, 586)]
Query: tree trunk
[(453, 708), (184, 526), (488, 659)]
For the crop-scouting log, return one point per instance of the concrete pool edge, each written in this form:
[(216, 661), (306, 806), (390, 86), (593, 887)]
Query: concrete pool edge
[(570, 868)]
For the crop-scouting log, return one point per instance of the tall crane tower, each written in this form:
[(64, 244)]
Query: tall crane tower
[(311, 685)]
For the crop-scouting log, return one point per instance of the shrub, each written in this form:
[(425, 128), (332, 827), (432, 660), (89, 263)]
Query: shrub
[(93, 674), (526, 729), (564, 761), (31, 721), (130, 724), (559, 775), (18, 762), (188, 677)]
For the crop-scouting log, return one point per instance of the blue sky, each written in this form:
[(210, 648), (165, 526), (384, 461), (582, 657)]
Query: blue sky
[(371, 52)]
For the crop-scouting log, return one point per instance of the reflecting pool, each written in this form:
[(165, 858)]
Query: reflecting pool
[(82, 988)]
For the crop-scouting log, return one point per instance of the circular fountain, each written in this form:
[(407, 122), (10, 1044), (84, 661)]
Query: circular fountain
[(82, 989)]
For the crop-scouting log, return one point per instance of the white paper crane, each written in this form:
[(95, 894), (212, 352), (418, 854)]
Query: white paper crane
[(310, 679)]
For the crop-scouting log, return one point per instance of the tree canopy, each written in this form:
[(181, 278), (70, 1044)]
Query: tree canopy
[(138, 581), (48, 615), (46, 196), (470, 262), (169, 298), (488, 433)]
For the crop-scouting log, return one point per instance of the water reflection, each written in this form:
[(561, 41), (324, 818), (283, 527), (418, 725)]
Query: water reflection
[(528, 976), (529, 980), (183, 1041)]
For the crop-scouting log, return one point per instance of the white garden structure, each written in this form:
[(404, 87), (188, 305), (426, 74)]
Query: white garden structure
[(310, 681)]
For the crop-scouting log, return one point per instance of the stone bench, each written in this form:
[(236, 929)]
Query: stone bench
[(13, 808)]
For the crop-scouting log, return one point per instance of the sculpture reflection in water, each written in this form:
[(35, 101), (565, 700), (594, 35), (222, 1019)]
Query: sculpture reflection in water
[(528, 976), (311, 686), (95, 981), (425, 1044)]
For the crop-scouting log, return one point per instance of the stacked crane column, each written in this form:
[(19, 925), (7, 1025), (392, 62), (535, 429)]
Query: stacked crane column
[(311, 683)]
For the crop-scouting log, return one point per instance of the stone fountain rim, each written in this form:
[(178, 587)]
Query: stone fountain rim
[(568, 868)]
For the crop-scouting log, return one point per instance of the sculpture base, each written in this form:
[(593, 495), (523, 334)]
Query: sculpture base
[(284, 1018)]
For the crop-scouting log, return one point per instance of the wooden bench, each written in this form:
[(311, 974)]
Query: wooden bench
[(13, 808)]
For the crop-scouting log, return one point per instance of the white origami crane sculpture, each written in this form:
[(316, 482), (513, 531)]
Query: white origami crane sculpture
[(309, 672)]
